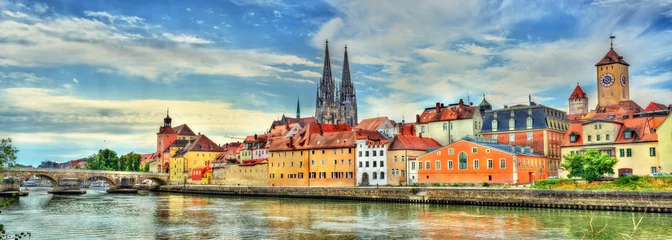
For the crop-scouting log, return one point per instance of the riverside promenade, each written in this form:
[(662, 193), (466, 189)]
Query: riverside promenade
[(635, 201)]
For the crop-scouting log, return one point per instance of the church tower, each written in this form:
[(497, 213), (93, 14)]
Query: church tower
[(166, 134), (578, 101), (335, 105), (348, 95), (613, 78)]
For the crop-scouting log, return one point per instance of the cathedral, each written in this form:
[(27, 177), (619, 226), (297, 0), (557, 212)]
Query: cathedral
[(336, 104)]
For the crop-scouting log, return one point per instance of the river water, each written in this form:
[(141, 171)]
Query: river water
[(148, 215)]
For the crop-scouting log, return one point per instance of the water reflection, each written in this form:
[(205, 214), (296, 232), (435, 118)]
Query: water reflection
[(98, 215)]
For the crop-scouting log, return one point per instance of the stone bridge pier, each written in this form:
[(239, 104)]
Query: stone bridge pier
[(69, 181)]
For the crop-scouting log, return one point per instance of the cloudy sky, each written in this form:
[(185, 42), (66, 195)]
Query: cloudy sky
[(77, 76)]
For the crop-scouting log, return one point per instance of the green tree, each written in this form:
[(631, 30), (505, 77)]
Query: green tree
[(590, 165), (105, 159), (130, 162), (7, 153)]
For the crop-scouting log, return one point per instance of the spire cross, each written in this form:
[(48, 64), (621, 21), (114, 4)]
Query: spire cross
[(611, 38)]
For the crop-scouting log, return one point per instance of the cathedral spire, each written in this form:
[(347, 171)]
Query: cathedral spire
[(346, 81), (327, 81), (298, 108)]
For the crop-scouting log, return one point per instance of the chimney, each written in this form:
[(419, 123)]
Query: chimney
[(417, 118), (471, 103), (438, 106), (420, 135), (255, 136), (631, 114), (441, 105)]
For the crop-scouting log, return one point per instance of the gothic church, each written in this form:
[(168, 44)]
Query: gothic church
[(336, 104)]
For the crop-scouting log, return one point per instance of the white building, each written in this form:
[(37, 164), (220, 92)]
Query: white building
[(382, 125), (448, 124), (371, 158)]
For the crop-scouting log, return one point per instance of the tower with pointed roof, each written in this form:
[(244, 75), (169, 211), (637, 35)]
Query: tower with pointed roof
[(578, 102), (335, 105), (298, 109), (613, 78), (484, 106)]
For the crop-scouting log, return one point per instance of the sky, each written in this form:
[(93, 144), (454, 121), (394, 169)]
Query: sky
[(78, 76)]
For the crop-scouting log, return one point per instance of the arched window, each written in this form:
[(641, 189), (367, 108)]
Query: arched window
[(494, 125), (512, 124), (382, 175), (375, 175), (529, 122), (463, 160)]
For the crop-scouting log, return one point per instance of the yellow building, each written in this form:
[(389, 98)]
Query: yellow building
[(194, 160), (403, 147), (664, 132), (249, 173), (613, 79)]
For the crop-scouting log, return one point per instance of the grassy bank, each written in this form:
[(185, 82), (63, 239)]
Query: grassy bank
[(632, 183)]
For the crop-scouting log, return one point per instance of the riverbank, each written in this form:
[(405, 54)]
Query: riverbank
[(659, 202), (631, 183)]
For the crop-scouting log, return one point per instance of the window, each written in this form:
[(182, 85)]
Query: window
[(487, 150), (375, 175), (494, 136), (502, 163), (512, 137), (349, 175), (572, 137), (438, 165), (494, 125), (462, 160), (451, 151), (300, 164), (412, 165), (600, 125), (322, 162), (427, 165), (489, 163), (374, 153), (529, 122), (360, 153), (382, 163), (403, 172), (381, 153), (395, 158), (529, 136), (445, 126), (349, 161), (367, 164), (597, 137), (382, 175), (595, 126), (323, 174), (450, 164), (420, 166), (590, 138), (512, 124), (474, 150), (476, 164), (422, 129), (606, 137), (628, 135), (300, 175), (652, 152), (402, 158), (312, 162), (629, 152), (342, 161), (366, 154), (375, 164)]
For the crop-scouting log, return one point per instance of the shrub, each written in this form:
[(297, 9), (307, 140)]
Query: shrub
[(485, 184), (589, 165)]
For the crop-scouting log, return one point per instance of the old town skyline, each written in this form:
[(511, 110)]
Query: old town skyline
[(120, 99)]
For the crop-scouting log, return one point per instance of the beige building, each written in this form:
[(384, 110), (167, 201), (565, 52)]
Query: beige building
[(401, 148), (664, 132), (250, 173), (447, 124)]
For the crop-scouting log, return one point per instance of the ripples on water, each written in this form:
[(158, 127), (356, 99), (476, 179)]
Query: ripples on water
[(98, 215)]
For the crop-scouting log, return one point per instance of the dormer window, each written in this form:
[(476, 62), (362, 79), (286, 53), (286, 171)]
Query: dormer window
[(494, 125), (512, 124), (628, 134), (573, 137), (529, 122)]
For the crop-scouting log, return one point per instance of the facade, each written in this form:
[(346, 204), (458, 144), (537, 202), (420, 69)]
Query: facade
[(481, 160), (334, 105), (371, 158), (194, 159), (578, 102), (537, 126), (447, 124), (664, 132), (318, 155), (382, 125), (613, 79), (403, 147), (249, 173), (153, 166), (255, 148)]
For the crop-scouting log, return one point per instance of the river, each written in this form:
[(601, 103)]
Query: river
[(149, 215)]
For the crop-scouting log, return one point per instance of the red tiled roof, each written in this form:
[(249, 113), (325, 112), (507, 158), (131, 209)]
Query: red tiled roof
[(619, 110), (403, 142), (316, 136), (655, 107), (447, 113), (642, 128), (408, 129), (184, 130), (165, 130), (301, 121), (372, 123), (577, 93), (201, 144), (577, 129), (253, 162), (611, 57), (372, 136)]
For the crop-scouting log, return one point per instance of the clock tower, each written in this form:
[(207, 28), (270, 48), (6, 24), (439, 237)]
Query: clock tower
[(613, 78)]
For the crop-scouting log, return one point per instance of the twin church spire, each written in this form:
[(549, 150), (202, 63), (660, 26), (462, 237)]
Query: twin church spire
[(335, 104)]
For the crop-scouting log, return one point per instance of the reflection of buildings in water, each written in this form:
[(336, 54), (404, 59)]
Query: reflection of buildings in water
[(476, 223)]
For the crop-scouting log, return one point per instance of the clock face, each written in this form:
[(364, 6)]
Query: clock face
[(607, 80), (624, 79)]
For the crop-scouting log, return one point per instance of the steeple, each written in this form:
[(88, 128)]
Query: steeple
[(298, 108), (167, 120), (346, 81), (327, 81), (484, 106)]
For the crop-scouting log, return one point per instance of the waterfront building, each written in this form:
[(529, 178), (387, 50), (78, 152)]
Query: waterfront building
[(664, 132), (254, 148), (383, 125), (447, 124), (318, 155), (618, 126), (184, 132), (371, 157), (248, 173), (154, 166), (482, 160), (165, 137), (533, 125), (145, 158), (334, 105), (404, 147), (194, 160)]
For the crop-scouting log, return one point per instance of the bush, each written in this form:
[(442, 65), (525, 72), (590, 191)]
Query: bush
[(590, 165), (626, 180), (544, 184), (485, 184)]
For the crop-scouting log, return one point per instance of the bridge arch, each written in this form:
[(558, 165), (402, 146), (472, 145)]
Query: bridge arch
[(158, 181), (111, 181)]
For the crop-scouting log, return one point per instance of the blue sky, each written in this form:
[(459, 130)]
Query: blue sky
[(77, 76)]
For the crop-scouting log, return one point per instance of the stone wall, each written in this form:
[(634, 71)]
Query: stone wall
[(237, 175), (591, 200)]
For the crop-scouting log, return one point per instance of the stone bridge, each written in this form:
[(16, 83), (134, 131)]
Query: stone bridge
[(64, 180)]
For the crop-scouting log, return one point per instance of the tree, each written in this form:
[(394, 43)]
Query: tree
[(590, 165), (7, 153), (105, 159)]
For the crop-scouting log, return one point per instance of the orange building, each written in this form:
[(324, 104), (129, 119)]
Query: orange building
[(482, 160), (317, 155), (402, 151)]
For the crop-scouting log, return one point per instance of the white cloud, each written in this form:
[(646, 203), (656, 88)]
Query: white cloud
[(215, 27), (67, 86), (40, 8), (200, 21), (15, 14), (277, 14), (296, 80), (493, 38), (74, 80), (112, 18), (310, 74), (184, 38), (188, 9), (22, 77)]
